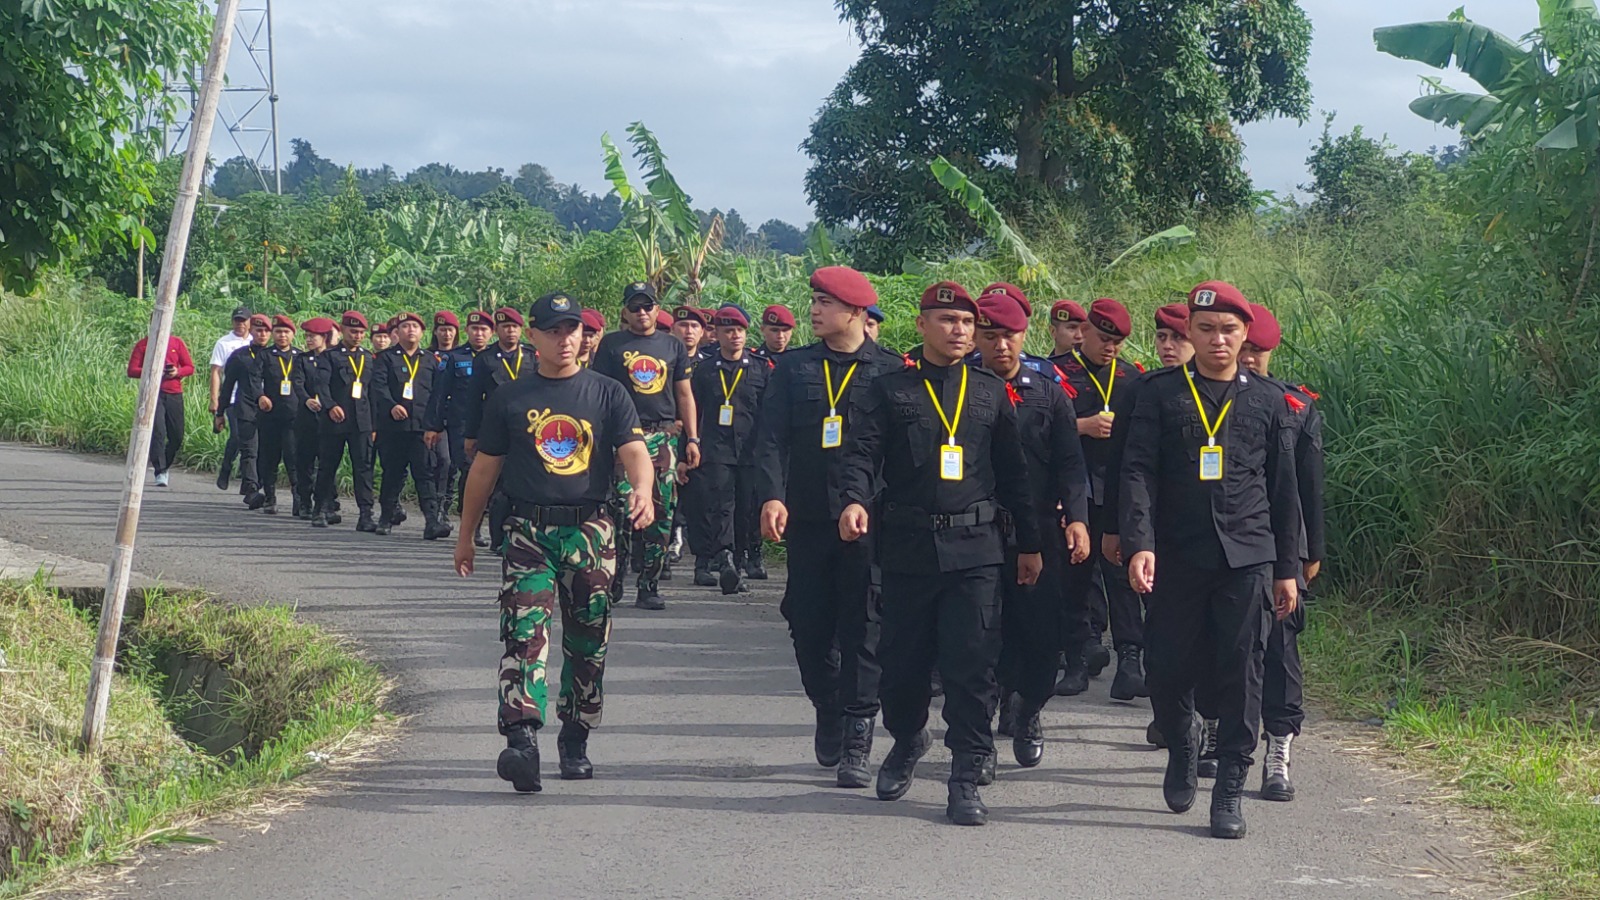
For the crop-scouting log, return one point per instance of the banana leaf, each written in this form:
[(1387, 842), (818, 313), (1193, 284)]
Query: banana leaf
[(1488, 57), (978, 205), (1176, 236)]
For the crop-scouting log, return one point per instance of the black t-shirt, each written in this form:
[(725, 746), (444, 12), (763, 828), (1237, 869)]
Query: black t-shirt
[(649, 366), (559, 436)]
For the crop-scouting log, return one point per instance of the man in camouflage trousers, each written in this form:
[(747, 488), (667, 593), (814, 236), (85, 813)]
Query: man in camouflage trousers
[(550, 441)]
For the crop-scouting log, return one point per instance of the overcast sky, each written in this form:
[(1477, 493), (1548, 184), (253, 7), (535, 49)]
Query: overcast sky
[(730, 86)]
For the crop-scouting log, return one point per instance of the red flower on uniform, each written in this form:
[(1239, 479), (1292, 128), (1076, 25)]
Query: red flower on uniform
[(1016, 398), (1295, 403), (1310, 393)]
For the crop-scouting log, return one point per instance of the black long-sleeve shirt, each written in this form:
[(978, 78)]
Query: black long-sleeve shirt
[(1251, 515), (901, 431), (279, 368), (791, 464), (1049, 429), (447, 404), (491, 369), (732, 444), (243, 371), (393, 372), (335, 378)]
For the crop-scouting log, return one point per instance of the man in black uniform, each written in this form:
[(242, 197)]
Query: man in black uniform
[(777, 329), (1100, 382), (1030, 615), (548, 442), (944, 435), (243, 371), (446, 416), (727, 394), (692, 326), (1067, 319), (441, 467), (1209, 489), (344, 391), (829, 602), (283, 390), (654, 367), (1283, 681), (307, 422), (500, 364), (401, 387)]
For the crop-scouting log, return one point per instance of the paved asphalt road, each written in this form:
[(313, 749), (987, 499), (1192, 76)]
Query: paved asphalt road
[(705, 785)]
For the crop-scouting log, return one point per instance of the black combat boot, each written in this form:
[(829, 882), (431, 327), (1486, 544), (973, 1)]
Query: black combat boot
[(828, 743), (754, 568), (298, 506), (1027, 743), (365, 523), (1002, 725), (254, 497), (1129, 683), (649, 596), (519, 762), (965, 806), (399, 517), (729, 578), (1181, 781), (1275, 783), (433, 526), (899, 768), (702, 572), (1096, 656), (386, 521), (1154, 737), (480, 538), (853, 771), (573, 746), (271, 506), (1074, 675), (1207, 767), (1227, 800), (319, 519), (302, 506), (332, 513)]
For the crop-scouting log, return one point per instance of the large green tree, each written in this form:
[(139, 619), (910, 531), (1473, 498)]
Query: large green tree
[(1130, 104), (77, 80)]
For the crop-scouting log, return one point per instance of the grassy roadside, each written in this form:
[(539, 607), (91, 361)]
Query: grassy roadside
[(1506, 726), (296, 699)]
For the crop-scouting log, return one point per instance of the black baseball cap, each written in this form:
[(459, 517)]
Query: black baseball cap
[(552, 309), (638, 289), (241, 314)]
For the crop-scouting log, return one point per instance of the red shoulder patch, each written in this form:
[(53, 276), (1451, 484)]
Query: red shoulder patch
[(1067, 386), (910, 363), (1310, 393), (1295, 403), (1139, 366)]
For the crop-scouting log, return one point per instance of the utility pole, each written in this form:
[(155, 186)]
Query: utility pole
[(189, 184)]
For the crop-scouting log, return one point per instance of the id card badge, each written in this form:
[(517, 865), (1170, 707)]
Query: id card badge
[(1210, 463), (725, 414), (832, 432), (355, 390), (407, 393), (951, 467), (284, 389), (1108, 413)]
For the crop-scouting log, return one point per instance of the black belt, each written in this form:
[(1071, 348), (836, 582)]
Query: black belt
[(658, 424), (982, 513), (540, 516)]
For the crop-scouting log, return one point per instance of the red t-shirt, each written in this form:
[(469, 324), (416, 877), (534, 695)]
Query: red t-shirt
[(177, 357)]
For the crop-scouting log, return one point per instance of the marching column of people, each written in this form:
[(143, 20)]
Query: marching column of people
[(968, 511)]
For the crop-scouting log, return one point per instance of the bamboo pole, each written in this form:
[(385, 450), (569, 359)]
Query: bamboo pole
[(194, 166)]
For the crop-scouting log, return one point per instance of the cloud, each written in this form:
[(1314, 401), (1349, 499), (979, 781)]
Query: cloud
[(729, 86)]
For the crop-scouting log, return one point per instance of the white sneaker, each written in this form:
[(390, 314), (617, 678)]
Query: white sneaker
[(161, 479)]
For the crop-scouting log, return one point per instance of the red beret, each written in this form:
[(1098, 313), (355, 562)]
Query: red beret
[(1174, 317), (446, 317), (283, 322), (506, 314), (947, 295), (731, 315), (593, 319), (685, 313), (778, 315), (406, 317), (1009, 290), (353, 319), (1001, 310), (1067, 311), (479, 317), (260, 321), (846, 285), (1265, 332), (382, 328), (1110, 317), (1220, 296), (663, 319)]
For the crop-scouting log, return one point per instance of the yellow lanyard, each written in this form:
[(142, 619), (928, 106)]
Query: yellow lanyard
[(827, 376), (1111, 379), (961, 402), (727, 392), (358, 365), (518, 371), (283, 364), (1211, 430), (412, 367)]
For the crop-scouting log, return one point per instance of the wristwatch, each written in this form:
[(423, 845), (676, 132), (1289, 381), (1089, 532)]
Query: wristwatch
[(693, 440)]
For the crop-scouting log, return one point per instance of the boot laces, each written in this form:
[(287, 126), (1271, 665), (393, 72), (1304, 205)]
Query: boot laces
[(1208, 743), (1277, 762)]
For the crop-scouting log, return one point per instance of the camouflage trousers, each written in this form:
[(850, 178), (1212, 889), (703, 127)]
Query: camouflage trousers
[(571, 565), (663, 449)]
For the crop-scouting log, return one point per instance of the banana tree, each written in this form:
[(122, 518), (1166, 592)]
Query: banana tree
[(661, 218)]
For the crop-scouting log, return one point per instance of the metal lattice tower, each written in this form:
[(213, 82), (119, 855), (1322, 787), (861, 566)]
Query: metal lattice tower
[(248, 111)]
